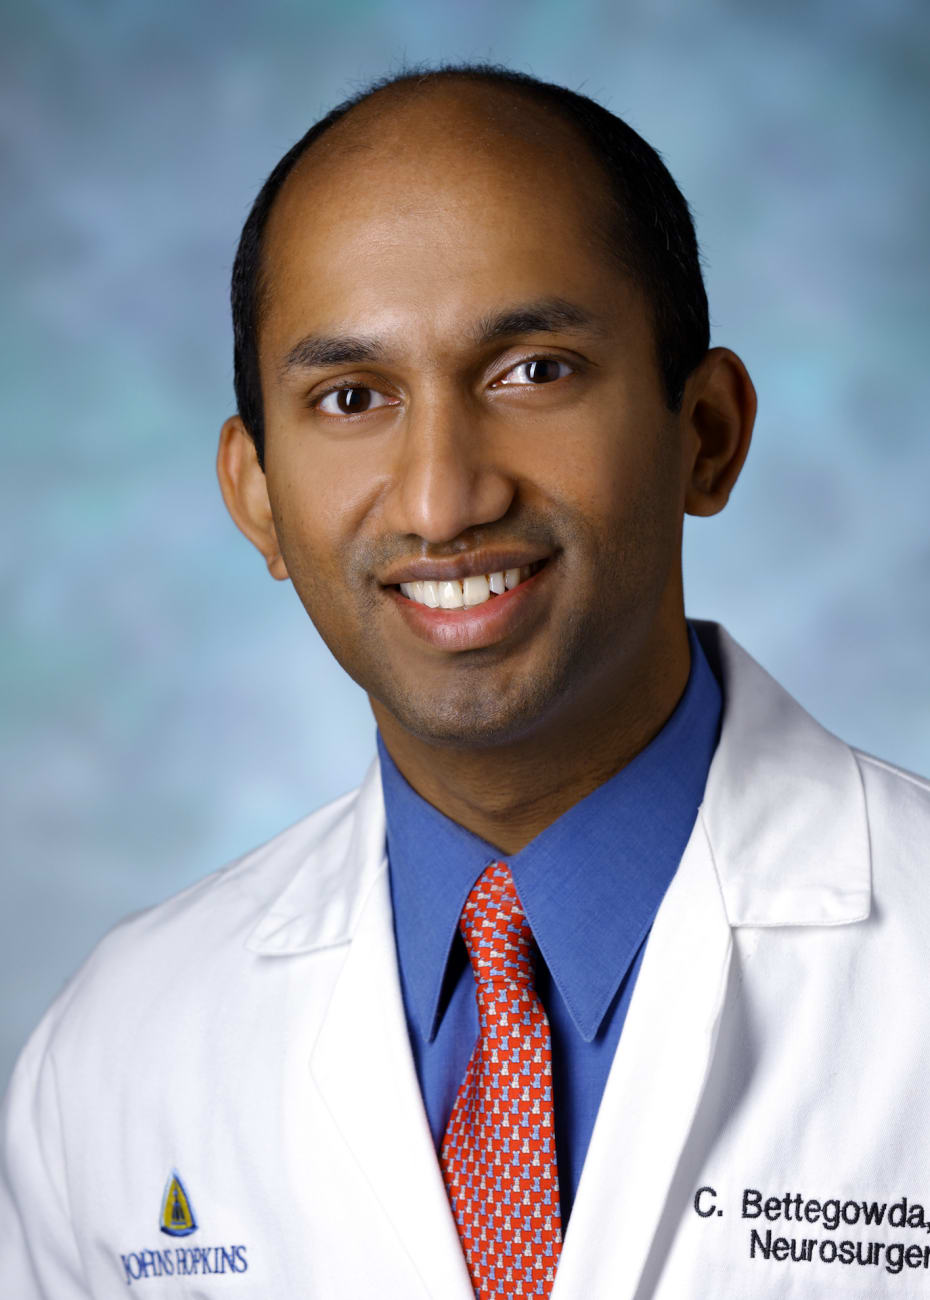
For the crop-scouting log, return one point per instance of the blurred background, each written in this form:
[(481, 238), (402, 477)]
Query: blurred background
[(165, 705)]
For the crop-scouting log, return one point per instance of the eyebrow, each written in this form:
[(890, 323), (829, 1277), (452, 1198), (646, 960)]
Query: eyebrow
[(331, 350), (545, 316)]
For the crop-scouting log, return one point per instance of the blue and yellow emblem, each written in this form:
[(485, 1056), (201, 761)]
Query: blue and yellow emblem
[(177, 1213)]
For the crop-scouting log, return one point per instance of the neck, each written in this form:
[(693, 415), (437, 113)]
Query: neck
[(507, 794)]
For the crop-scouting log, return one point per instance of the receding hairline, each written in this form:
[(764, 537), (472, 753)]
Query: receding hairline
[(369, 123), (359, 126)]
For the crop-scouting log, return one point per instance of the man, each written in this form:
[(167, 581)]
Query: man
[(608, 980)]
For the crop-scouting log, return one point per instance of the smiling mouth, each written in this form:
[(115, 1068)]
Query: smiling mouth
[(466, 593)]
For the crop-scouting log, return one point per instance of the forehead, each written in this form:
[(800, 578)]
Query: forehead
[(430, 200), (445, 133)]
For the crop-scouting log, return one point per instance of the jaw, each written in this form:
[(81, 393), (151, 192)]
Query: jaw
[(508, 693), (583, 674)]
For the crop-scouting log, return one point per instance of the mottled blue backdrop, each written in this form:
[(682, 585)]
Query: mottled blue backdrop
[(165, 705)]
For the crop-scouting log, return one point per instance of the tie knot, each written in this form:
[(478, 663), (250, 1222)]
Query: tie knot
[(495, 929)]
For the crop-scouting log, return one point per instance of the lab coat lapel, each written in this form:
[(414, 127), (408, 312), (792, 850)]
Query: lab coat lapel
[(781, 840), (363, 1067), (654, 1086)]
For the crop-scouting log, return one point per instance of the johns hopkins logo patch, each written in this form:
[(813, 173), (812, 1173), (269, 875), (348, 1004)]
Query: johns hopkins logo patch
[(177, 1213), (177, 1219)]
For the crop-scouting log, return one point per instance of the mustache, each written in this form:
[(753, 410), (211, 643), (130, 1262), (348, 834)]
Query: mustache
[(528, 527)]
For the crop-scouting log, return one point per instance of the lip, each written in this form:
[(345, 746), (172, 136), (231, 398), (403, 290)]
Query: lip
[(423, 569), (480, 626)]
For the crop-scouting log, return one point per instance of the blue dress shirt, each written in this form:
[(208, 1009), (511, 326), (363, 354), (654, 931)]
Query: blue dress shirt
[(590, 884)]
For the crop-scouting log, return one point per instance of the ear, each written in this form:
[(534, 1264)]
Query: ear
[(720, 408), (245, 491)]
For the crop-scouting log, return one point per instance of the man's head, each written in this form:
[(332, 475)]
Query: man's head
[(474, 357)]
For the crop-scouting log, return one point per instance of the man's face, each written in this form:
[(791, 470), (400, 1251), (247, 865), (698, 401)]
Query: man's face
[(459, 383)]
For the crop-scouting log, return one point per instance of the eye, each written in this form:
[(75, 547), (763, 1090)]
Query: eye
[(351, 401), (539, 370)]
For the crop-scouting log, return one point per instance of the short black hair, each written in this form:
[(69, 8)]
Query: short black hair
[(654, 239)]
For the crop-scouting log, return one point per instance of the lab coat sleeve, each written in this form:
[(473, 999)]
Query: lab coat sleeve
[(39, 1256)]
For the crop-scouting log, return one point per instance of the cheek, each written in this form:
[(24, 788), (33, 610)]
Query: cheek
[(311, 536), (611, 471), (321, 494)]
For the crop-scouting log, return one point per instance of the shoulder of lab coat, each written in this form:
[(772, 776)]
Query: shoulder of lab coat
[(182, 951), (796, 819)]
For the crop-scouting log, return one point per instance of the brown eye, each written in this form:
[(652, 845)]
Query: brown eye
[(542, 372), (351, 401)]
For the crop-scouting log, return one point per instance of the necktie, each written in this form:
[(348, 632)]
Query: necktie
[(498, 1152)]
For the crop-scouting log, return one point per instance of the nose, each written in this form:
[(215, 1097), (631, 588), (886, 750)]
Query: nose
[(447, 477)]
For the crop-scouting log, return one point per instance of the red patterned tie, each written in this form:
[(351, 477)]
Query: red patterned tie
[(498, 1153)]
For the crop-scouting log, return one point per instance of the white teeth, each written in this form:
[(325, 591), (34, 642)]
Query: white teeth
[(476, 590), (450, 595), (465, 593)]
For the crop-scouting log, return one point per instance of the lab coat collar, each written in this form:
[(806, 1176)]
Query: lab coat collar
[(784, 813), (332, 876), (784, 808)]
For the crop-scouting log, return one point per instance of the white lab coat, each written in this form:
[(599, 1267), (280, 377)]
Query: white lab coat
[(249, 1035)]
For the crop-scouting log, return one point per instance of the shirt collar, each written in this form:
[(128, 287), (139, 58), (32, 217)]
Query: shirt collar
[(590, 883)]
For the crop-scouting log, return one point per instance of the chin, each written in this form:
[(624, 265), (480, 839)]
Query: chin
[(471, 720)]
